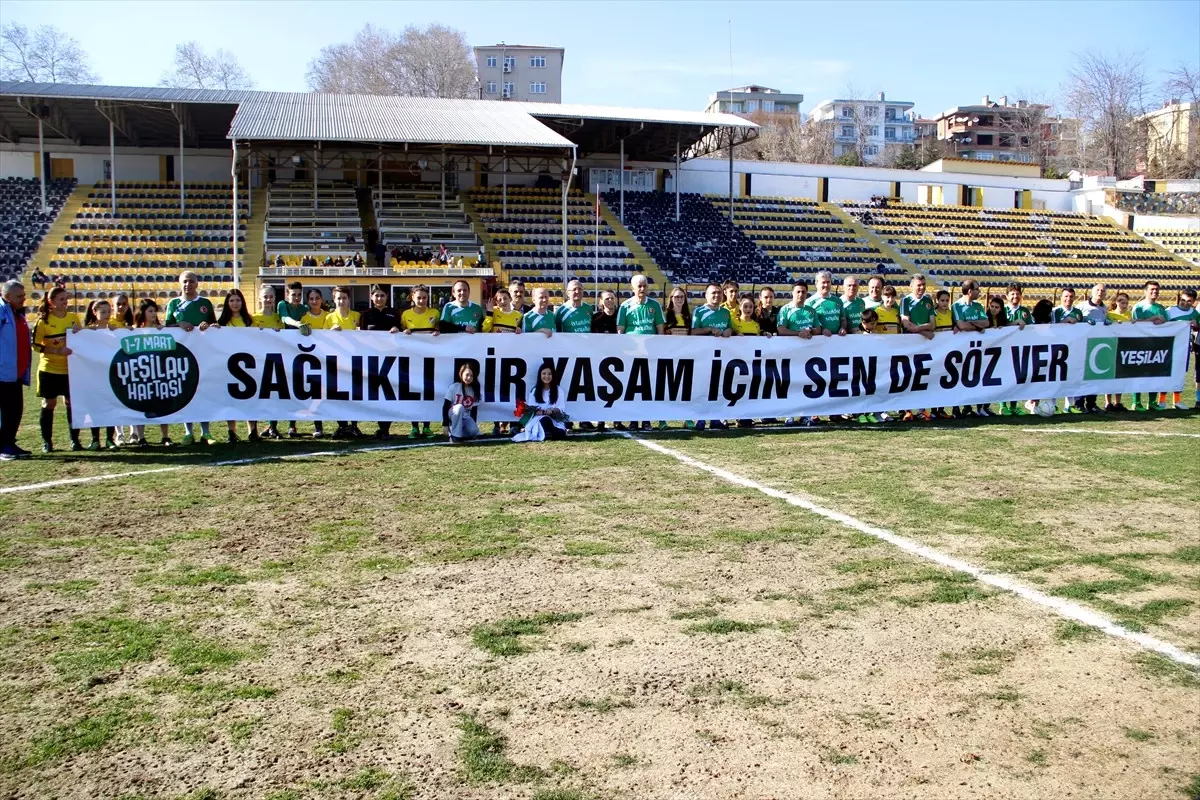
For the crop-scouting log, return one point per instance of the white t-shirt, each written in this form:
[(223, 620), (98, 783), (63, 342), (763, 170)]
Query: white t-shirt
[(456, 396)]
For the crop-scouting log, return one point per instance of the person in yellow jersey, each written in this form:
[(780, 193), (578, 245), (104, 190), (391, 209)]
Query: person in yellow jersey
[(122, 319), (234, 314), (1119, 311), (503, 318), (314, 319), (269, 319), (744, 324), (343, 318), (50, 342), (420, 318), (887, 321), (943, 320)]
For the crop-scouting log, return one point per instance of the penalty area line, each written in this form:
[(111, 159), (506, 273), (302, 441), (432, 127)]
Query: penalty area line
[(1007, 583), (1102, 432)]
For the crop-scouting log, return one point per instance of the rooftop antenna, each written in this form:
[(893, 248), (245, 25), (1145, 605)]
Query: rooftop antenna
[(730, 129)]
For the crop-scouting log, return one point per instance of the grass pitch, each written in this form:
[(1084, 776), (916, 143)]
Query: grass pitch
[(590, 619)]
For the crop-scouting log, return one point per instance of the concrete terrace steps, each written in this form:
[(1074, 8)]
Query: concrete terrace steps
[(643, 259), (255, 245), (874, 238), (366, 215), (61, 226)]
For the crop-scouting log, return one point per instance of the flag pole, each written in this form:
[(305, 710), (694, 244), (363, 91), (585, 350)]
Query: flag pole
[(596, 281)]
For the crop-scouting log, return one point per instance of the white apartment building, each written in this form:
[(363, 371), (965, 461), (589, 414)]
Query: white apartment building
[(872, 124), (520, 72), (750, 100)]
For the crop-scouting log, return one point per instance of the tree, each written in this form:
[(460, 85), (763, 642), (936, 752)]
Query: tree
[(44, 55), (196, 69), (1108, 92), (1183, 84), (434, 62), (785, 137)]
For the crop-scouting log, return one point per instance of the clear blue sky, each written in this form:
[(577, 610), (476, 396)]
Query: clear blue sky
[(669, 54)]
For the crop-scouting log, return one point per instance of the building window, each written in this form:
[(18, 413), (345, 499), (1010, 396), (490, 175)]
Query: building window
[(1006, 157), (537, 62), (873, 130), (871, 150), (889, 133), (751, 106), (491, 61), (107, 170), (508, 89), (984, 157), (736, 108), (872, 111), (768, 106), (537, 88), (847, 112), (491, 87), (510, 63), (847, 130)]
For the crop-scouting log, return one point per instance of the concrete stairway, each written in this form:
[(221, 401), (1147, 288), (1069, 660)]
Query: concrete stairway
[(60, 228), (256, 236)]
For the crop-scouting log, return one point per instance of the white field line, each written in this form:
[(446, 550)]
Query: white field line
[(1059, 606), (1109, 433)]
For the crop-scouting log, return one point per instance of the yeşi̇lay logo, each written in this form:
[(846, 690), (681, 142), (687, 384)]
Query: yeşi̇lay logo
[(154, 374), (1116, 357)]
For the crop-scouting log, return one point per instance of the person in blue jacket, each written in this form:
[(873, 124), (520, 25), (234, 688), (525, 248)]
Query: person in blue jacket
[(15, 357)]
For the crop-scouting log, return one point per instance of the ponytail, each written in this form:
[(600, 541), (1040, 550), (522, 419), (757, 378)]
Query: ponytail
[(44, 306)]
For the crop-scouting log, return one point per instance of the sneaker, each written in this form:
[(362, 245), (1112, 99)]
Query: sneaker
[(253, 437), (318, 434), (293, 433), (940, 414), (13, 453), (745, 423), (862, 419), (140, 443), (94, 446), (166, 442), (886, 417), (689, 425), (188, 440), (1154, 406), (925, 415), (76, 446), (1139, 407), (271, 433), (984, 411), (620, 426), (232, 438), (662, 425), (790, 422), (1005, 411), (700, 424), (47, 447), (908, 417), (110, 444), (587, 426), (645, 426), (7, 455), (455, 440), (1181, 406), (602, 426), (1074, 410), (342, 432), (119, 438), (414, 433), (208, 440), (428, 434), (872, 419), (1020, 411)]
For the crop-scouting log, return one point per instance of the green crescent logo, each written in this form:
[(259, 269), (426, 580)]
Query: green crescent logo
[(1101, 362)]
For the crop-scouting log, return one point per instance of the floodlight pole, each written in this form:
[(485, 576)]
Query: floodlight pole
[(677, 180), (731, 176), (621, 178), (42, 163), (112, 165), (182, 201), (443, 171), (233, 173)]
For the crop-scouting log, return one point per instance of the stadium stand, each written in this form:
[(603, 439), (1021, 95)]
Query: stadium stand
[(149, 242), (1185, 244), (528, 240), (405, 212), (1159, 202), (296, 229), (1041, 250), (22, 224), (700, 247), (803, 237)]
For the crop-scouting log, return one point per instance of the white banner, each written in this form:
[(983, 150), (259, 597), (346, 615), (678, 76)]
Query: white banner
[(130, 377)]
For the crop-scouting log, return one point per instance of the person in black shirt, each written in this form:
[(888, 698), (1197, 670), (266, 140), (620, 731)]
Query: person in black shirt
[(380, 317), (604, 319), (765, 312)]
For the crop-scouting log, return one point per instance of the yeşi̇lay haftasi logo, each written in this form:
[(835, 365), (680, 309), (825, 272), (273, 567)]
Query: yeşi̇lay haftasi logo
[(154, 374), (1117, 357)]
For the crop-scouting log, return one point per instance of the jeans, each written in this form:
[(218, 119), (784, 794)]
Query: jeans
[(462, 425), (12, 405)]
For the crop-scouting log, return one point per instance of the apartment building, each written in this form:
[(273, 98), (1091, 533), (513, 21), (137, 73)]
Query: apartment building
[(1000, 131), (750, 101), (520, 72), (1170, 135), (867, 126)]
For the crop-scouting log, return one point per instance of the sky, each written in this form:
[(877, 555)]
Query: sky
[(669, 54)]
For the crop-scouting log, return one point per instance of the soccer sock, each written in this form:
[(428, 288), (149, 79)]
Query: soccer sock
[(188, 428), (1177, 397), (96, 435), (46, 422), (204, 429)]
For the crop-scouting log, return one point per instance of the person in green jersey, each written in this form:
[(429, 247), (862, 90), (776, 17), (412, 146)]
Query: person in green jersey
[(1184, 310), (1148, 309), (574, 315), (874, 298), (539, 318), (917, 316), (970, 316), (1015, 314), (712, 319), (796, 318), (1070, 314), (853, 306), (189, 311), (826, 306), (460, 315), (291, 309), (640, 316)]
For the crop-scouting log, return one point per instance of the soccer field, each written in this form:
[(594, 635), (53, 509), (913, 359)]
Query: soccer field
[(762, 614)]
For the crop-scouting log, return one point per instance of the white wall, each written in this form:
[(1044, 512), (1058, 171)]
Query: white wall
[(858, 191), (17, 165), (1148, 222)]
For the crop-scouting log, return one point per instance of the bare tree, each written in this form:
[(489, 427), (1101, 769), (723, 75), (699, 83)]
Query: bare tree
[(434, 62), (196, 69), (1109, 91), (1183, 84), (786, 137), (44, 55)]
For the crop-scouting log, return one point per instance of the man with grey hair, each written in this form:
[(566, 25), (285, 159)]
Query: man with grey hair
[(640, 315), (189, 311), (1095, 312), (15, 357)]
